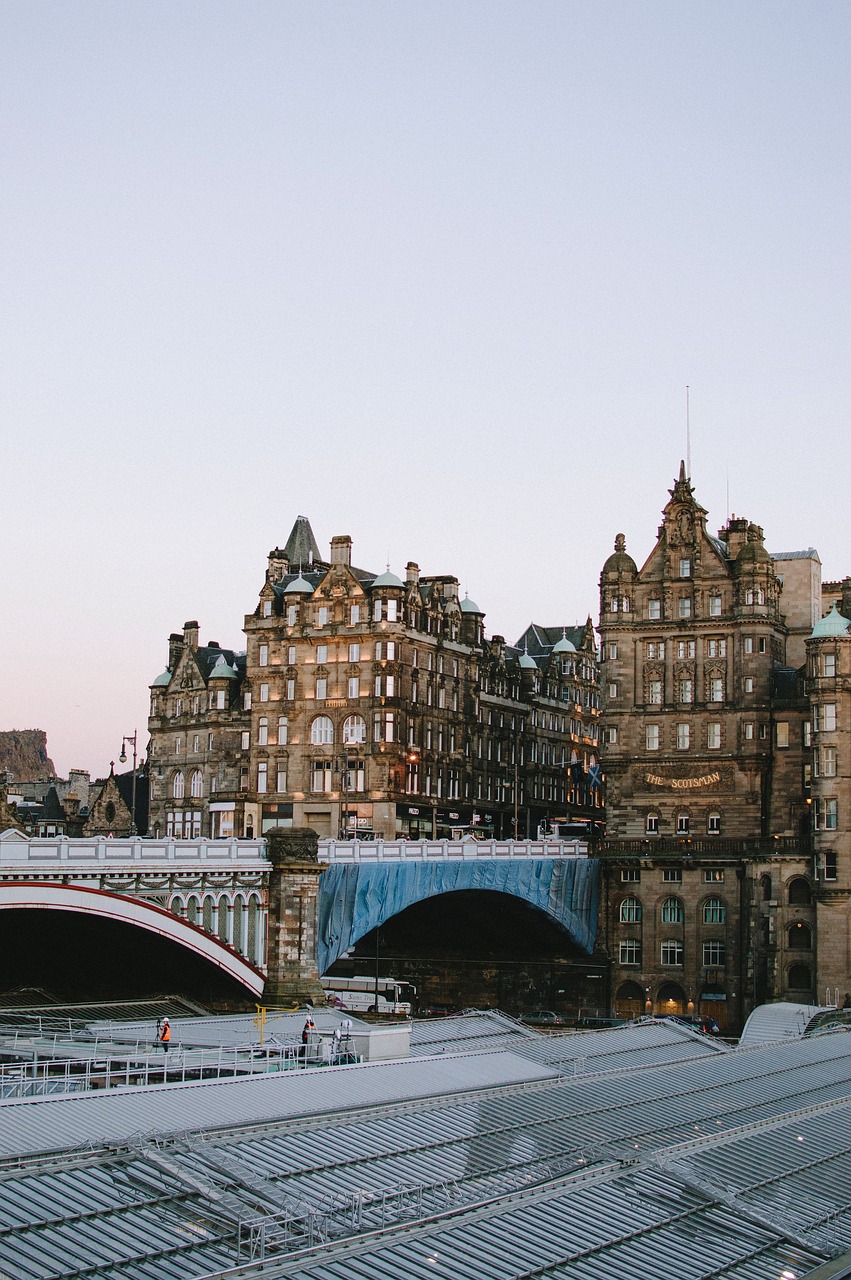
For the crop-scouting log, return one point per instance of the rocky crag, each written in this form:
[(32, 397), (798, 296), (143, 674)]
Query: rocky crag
[(23, 755)]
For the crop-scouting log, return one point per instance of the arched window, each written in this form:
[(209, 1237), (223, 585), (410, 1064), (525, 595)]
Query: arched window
[(178, 786), (673, 911), (630, 911), (652, 824), (354, 729), (800, 894), (714, 911), (322, 731), (192, 910), (238, 931), (682, 824), (800, 977), (765, 885), (109, 812), (251, 946), (629, 1000), (196, 783), (713, 825), (207, 916), (800, 937), (223, 920)]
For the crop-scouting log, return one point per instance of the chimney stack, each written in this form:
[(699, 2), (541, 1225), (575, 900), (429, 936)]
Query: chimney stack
[(341, 549)]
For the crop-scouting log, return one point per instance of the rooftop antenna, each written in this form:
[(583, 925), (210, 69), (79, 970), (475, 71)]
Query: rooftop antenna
[(688, 437)]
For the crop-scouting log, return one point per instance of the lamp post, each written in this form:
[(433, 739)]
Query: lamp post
[(123, 756)]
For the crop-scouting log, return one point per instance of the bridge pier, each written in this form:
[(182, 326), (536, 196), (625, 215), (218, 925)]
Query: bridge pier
[(293, 918)]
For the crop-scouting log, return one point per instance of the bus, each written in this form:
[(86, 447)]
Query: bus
[(359, 995)]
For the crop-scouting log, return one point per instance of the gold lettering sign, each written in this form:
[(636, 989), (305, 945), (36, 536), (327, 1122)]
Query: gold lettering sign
[(683, 784)]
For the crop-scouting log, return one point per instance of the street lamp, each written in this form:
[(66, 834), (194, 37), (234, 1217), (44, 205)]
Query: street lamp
[(131, 738)]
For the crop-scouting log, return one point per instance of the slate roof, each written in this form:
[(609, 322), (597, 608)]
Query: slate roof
[(301, 546), (124, 782), (540, 641)]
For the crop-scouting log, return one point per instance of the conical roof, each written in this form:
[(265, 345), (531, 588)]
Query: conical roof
[(162, 680), (832, 624), (301, 547), (223, 670), (388, 579), (469, 606), (298, 586)]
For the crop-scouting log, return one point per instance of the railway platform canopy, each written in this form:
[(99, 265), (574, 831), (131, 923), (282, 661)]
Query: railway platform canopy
[(491, 1153)]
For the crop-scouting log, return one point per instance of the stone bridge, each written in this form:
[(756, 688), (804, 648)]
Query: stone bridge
[(275, 913)]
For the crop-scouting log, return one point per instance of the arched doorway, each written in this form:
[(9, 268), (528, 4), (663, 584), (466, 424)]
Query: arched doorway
[(713, 1004), (629, 1000), (670, 1000)]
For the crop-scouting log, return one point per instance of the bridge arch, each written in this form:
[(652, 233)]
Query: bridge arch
[(43, 895), (356, 898)]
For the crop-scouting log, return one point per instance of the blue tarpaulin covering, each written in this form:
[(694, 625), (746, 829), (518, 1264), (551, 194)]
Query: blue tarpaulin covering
[(355, 898)]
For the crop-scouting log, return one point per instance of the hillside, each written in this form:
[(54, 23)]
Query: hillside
[(23, 755)]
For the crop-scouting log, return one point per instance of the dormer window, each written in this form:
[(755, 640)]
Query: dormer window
[(685, 567), (654, 608), (267, 608)]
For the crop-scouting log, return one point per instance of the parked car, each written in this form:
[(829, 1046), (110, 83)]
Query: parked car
[(543, 1018), (439, 1011), (601, 1024)]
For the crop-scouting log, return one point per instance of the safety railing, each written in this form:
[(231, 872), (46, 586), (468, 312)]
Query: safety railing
[(334, 851)]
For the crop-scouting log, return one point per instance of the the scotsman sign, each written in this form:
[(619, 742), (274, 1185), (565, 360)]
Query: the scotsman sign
[(684, 784)]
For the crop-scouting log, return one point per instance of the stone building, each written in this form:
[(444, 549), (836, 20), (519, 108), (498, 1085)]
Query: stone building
[(708, 890), (829, 688), (370, 703)]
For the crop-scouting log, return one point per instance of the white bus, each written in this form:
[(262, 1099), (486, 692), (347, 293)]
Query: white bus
[(359, 995)]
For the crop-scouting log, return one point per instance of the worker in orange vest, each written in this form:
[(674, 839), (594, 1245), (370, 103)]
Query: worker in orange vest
[(165, 1034)]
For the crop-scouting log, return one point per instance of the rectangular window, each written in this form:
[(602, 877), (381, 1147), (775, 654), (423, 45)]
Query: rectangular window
[(655, 649), (245, 741), (392, 610), (292, 615), (683, 737), (322, 616), (209, 742), (376, 611), (267, 608), (714, 825), (290, 690), (321, 654), (321, 689), (717, 648), (747, 730), (611, 736), (830, 869), (715, 606), (808, 734), (763, 644), (262, 774), (291, 655), (390, 686), (390, 726), (828, 664), (321, 776), (354, 615), (281, 779), (782, 729), (714, 955), (826, 762), (196, 741), (263, 658), (264, 693), (685, 648), (685, 567), (684, 606), (629, 951), (220, 700), (377, 686), (716, 689), (613, 652), (613, 690), (686, 691), (672, 952), (826, 815), (630, 875), (713, 875), (748, 644), (672, 875), (827, 717), (354, 686), (354, 653), (713, 735), (651, 737), (748, 684), (654, 691), (654, 608), (283, 729)]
